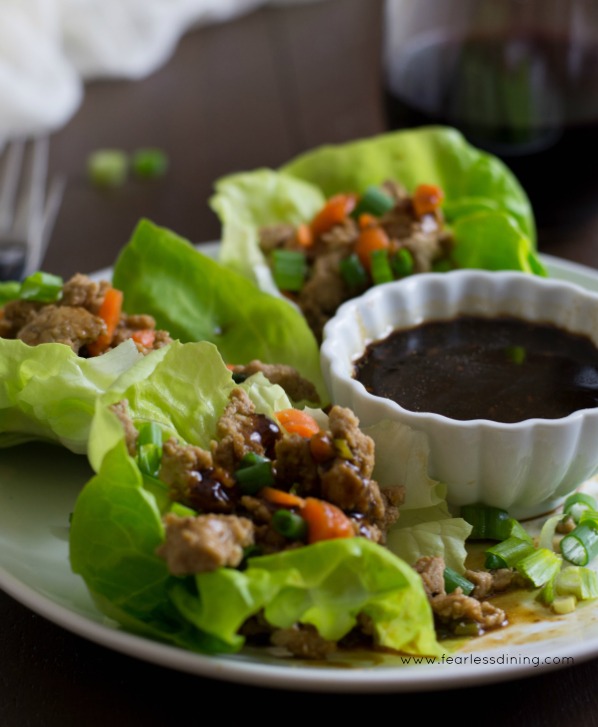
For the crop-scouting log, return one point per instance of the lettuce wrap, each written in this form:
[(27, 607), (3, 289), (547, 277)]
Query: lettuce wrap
[(485, 207), (117, 526), (196, 299)]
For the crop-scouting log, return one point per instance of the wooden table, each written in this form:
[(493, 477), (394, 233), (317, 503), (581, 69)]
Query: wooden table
[(249, 93)]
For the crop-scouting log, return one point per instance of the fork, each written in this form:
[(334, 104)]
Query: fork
[(27, 213)]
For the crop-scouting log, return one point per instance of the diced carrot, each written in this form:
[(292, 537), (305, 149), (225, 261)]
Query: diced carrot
[(335, 211), (144, 337), (281, 497), (325, 521), (370, 239), (304, 235), (427, 198), (366, 220), (297, 421), (230, 367), (110, 312)]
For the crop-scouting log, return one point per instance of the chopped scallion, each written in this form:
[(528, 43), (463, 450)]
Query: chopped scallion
[(149, 163), (149, 433), (41, 287), (108, 167), (488, 523), (453, 580), (540, 566), (380, 267), (289, 268), (508, 553), (149, 458), (402, 262), (580, 546), (577, 503), (578, 581), (289, 524), (254, 473), (353, 272), (374, 202)]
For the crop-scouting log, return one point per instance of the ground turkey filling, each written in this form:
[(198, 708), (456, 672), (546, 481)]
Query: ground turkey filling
[(421, 234), (74, 320), (336, 469)]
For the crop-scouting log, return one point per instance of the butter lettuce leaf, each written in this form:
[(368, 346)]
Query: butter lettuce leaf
[(476, 184), (117, 526), (48, 393), (197, 299)]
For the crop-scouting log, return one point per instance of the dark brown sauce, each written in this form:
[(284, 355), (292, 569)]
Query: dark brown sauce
[(503, 369)]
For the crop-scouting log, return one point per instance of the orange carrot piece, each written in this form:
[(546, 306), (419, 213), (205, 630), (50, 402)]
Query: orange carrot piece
[(370, 239), (144, 337), (110, 312), (427, 198), (281, 497), (297, 421), (335, 211), (325, 521), (366, 220), (304, 235)]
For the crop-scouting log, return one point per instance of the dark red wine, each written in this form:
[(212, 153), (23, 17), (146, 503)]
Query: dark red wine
[(531, 100)]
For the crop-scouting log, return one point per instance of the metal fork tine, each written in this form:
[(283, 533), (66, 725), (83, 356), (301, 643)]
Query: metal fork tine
[(10, 182)]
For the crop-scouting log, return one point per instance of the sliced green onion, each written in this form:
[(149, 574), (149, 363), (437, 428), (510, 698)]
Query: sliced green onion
[(564, 604), (289, 524), (289, 268), (577, 581), (488, 523), (108, 167), (342, 448), (42, 287), (402, 262), (453, 580), (149, 458), (374, 202), (254, 473), (149, 433), (149, 163), (508, 553), (380, 267), (548, 532), (547, 593), (580, 546), (353, 272), (182, 510), (540, 566), (9, 290), (577, 503)]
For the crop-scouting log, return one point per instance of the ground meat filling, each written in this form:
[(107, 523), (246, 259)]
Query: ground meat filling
[(422, 235), (297, 388), (456, 611), (74, 320)]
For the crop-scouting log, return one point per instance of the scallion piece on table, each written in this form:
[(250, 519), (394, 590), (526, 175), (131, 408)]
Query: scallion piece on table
[(402, 262), (41, 287), (380, 267), (289, 268), (507, 553), (453, 580), (353, 272), (149, 163), (108, 167), (254, 473), (580, 546), (548, 532), (577, 503), (289, 524), (374, 202), (540, 566)]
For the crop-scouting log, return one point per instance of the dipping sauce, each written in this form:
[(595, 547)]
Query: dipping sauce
[(504, 369)]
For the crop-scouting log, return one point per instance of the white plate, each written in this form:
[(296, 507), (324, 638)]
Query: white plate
[(39, 484)]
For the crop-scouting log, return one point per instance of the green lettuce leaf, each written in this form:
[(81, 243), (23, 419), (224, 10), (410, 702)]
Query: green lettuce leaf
[(196, 299), (48, 393), (476, 185), (116, 528)]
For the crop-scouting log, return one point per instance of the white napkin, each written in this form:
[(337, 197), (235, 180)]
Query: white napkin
[(50, 48)]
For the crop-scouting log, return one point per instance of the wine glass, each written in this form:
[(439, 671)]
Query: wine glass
[(519, 78)]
